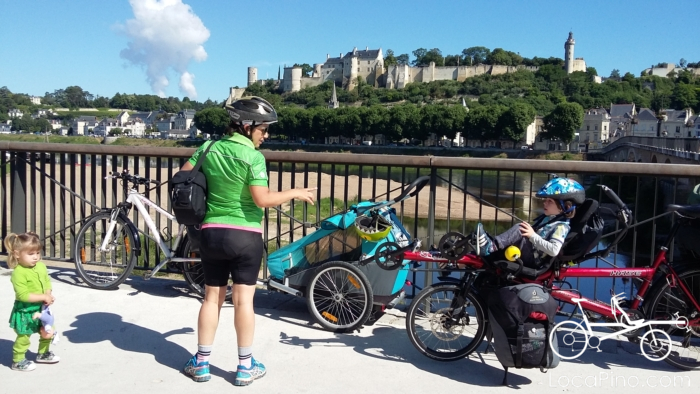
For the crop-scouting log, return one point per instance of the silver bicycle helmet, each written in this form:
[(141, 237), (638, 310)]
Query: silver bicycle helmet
[(251, 110)]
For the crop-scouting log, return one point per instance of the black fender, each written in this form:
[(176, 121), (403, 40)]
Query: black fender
[(181, 247), (135, 231), (136, 247), (445, 280), (678, 267)]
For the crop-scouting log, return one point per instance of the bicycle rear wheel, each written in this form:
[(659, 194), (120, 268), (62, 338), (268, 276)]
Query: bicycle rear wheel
[(685, 344), (443, 331), (339, 297), (194, 271), (104, 269)]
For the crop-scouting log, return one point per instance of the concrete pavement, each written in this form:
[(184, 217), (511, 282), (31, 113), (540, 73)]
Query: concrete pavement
[(137, 338)]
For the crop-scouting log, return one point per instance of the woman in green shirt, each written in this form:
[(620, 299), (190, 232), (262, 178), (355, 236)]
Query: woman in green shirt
[(231, 239), (32, 286)]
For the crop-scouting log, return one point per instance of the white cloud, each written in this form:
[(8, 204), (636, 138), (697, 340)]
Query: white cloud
[(165, 34), (187, 85)]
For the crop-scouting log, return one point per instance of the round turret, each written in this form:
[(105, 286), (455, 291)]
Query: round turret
[(252, 75), (569, 53)]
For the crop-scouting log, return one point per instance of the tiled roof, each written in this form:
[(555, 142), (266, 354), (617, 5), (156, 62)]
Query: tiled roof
[(646, 114), (621, 109), (366, 54), (333, 60)]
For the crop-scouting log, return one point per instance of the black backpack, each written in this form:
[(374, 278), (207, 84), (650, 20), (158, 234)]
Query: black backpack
[(521, 318), (188, 193)]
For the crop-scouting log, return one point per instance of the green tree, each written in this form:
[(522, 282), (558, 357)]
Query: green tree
[(42, 125), (475, 55), (433, 55), (116, 131), (514, 122), (403, 122), (684, 96), (452, 60), (615, 74), (563, 122), (481, 123), (321, 122), (212, 120), (145, 102), (390, 59), (306, 70), (75, 97), (501, 57), (551, 73), (100, 102), (119, 101), (419, 54), (402, 59)]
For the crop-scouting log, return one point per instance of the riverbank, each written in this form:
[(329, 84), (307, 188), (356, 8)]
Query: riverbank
[(446, 202)]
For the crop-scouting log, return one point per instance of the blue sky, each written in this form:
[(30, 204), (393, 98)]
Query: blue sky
[(52, 44)]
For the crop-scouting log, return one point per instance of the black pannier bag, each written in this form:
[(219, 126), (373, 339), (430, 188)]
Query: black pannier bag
[(188, 194), (521, 318)]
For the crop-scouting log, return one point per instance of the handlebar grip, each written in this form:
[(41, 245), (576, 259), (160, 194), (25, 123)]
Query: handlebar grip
[(614, 197)]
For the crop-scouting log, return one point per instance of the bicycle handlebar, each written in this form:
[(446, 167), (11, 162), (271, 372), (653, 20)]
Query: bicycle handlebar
[(135, 179), (411, 190), (418, 184)]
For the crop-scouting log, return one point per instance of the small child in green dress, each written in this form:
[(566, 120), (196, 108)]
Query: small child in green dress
[(32, 291)]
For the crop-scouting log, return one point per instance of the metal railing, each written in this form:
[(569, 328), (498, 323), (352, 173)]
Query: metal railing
[(50, 188)]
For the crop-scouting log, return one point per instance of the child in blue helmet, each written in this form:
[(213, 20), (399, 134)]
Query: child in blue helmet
[(546, 235)]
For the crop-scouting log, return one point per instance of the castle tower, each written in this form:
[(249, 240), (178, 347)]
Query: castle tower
[(354, 68), (252, 75), (292, 79), (569, 53)]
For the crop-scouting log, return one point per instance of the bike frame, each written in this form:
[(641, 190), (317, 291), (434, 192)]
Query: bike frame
[(139, 201)]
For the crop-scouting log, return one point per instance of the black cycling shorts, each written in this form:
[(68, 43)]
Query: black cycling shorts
[(231, 253)]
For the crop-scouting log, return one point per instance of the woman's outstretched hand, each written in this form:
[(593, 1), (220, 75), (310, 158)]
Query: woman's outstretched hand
[(306, 195)]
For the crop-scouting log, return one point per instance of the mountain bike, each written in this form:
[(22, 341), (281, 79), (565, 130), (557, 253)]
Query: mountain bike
[(448, 321), (108, 244)]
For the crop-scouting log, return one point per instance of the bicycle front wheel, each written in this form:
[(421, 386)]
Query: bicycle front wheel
[(684, 352), (443, 331), (108, 268), (194, 271)]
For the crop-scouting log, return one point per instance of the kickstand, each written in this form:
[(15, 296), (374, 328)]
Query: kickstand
[(489, 338), (505, 377)]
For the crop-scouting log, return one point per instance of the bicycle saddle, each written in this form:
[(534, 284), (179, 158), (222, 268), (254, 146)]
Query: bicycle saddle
[(692, 211)]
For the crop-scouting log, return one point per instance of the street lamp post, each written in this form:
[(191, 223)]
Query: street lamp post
[(661, 118)]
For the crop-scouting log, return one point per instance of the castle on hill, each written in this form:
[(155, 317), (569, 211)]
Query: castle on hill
[(368, 65)]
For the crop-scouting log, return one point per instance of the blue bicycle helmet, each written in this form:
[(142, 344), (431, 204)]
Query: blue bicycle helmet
[(563, 189)]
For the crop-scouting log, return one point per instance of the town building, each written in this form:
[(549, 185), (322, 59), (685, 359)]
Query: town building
[(15, 113)]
